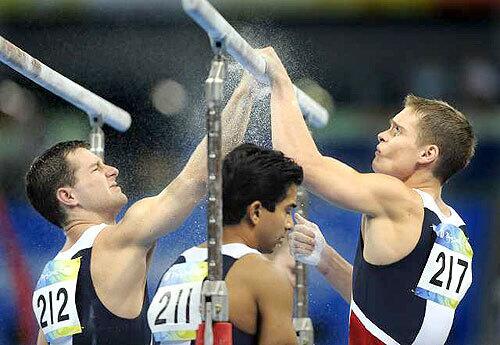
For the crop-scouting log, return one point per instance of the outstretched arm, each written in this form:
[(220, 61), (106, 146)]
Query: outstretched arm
[(372, 194), (153, 217)]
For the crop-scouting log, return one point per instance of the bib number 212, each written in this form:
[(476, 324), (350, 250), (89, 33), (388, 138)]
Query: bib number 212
[(47, 303)]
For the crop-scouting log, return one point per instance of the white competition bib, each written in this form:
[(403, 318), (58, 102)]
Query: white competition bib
[(54, 299), (448, 272), (174, 313)]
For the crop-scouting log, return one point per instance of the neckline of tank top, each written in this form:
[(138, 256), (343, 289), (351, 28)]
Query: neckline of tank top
[(235, 250), (86, 240), (431, 204)]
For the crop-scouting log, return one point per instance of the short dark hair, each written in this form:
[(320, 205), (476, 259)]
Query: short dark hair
[(50, 171), (251, 173), (444, 126)]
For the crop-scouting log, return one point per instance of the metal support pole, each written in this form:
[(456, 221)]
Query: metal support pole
[(214, 293), (96, 137), (301, 322)]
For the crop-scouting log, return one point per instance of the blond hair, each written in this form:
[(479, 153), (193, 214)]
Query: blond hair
[(444, 126)]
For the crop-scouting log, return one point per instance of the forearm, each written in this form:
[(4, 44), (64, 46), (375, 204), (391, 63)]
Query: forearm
[(190, 186), (236, 115), (150, 218), (168, 209), (324, 176), (195, 170), (289, 131), (337, 271), (234, 122)]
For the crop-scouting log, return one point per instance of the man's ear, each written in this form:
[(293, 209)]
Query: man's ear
[(66, 196), (428, 154), (254, 212)]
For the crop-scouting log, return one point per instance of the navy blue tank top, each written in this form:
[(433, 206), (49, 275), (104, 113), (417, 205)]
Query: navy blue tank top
[(231, 254), (101, 326), (96, 324), (384, 306)]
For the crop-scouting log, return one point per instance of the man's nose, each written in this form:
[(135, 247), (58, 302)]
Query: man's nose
[(112, 171), (382, 136)]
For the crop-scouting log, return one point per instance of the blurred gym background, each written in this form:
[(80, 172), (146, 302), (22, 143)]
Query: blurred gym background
[(359, 58)]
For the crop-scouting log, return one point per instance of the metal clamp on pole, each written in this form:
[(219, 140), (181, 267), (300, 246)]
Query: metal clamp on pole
[(215, 306), (218, 29), (96, 137), (301, 322)]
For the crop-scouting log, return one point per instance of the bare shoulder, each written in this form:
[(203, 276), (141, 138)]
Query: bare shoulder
[(248, 265), (119, 236), (272, 298), (111, 237), (395, 197), (260, 274)]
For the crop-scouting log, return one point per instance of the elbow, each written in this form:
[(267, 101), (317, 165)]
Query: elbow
[(311, 160), (312, 167), (193, 179), (301, 154), (196, 184)]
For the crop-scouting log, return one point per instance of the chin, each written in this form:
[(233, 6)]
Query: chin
[(265, 250), (123, 203), (120, 202), (124, 199), (380, 170), (375, 168)]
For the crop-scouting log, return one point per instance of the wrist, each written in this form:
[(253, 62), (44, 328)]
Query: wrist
[(281, 81), (323, 266)]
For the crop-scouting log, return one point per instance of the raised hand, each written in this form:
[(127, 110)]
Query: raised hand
[(306, 241)]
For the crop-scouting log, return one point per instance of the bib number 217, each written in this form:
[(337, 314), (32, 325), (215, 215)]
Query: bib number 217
[(453, 268), (446, 277)]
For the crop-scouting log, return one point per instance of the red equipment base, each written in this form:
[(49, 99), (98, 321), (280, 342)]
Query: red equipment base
[(223, 333)]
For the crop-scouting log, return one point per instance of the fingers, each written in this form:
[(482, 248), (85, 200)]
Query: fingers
[(274, 67), (247, 80), (301, 248), (270, 55), (269, 51), (303, 252), (246, 77), (304, 230), (301, 220), (298, 218), (301, 241)]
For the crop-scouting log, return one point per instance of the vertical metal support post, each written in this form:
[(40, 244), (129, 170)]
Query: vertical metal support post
[(214, 293), (301, 322), (96, 137), (213, 93)]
